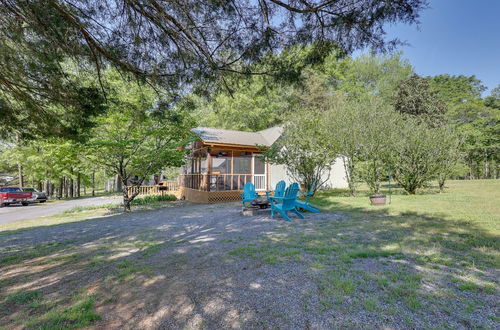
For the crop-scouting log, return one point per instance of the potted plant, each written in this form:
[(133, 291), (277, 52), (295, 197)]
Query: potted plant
[(378, 199), (371, 172), (376, 142)]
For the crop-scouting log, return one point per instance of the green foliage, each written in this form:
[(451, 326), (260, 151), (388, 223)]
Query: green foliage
[(23, 297), (493, 100), (420, 153), (475, 119), (415, 97), (138, 136), (152, 199), (254, 105), (77, 316), (162, 43), (369, 75), (377, 137), (304, 146), (455, 90)]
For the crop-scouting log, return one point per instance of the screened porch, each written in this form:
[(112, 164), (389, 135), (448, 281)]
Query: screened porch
[(224, 169)]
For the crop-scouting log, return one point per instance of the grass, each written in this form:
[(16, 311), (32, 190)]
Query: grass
[(81, 314), (383, 258), (79, 213), (78, 209), (22, 297), (424, 261), (23, 225), (153, 199)]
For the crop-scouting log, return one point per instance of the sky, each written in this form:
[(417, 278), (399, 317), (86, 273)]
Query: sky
[(455, 37)]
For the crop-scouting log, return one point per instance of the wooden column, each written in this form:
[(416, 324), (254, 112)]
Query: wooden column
[(252, 168), (267, 176), (209, 168), (232, 169)]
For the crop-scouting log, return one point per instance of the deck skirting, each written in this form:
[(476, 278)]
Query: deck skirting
[(210, 197)]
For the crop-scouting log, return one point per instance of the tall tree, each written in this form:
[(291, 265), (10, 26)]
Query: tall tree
[(416, 98), (377, 138), (304, 147), (138, 136), (369, 74), (172, 43), (475, 119), (421, 153)]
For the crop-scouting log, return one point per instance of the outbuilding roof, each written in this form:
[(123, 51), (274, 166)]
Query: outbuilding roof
[(225, 136)]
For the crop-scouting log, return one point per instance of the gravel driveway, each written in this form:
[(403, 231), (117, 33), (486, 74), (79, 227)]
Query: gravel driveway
[(207, 266), (18, 212)]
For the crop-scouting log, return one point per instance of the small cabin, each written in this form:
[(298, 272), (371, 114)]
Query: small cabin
[(222, 161)]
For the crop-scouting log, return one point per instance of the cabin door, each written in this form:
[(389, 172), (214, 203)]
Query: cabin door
[(259, 174)]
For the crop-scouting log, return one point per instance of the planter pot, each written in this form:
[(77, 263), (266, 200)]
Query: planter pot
[(377, 199)]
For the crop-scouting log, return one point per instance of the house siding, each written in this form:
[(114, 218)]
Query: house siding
[(337, 175)]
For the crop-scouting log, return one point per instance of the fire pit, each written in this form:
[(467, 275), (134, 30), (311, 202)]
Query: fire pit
[(261, 202)]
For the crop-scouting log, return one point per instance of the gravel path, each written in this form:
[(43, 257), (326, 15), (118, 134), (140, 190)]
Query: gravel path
[(18, 212), (194, 283), (206, 266)]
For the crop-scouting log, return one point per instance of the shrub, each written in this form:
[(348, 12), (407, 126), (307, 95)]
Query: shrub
[(151, 199), (420, 153)]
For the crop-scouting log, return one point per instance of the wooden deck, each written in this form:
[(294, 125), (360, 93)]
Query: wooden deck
[(167, 188), (189, 194)]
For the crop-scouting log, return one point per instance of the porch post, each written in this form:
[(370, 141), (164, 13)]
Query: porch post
[(267, 176), (232, 169), (209, 168), (252, 168)]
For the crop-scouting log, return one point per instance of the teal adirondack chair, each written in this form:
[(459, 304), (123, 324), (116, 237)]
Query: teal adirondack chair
[(305, 204), (248, 193), (279, 191), (288, 203)]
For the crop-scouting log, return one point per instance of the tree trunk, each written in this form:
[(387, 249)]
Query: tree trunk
[(65, 187), (93, 183), (61, 187), (126, 199), (349, 173), (78, 184), (71, 188), (441, 185), (21, 177), (486, 167), (118, 184)]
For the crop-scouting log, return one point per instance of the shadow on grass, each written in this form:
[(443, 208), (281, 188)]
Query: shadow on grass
[(199, 266)]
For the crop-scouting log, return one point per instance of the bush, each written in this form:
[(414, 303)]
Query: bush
[(151, 199), (420, 153)]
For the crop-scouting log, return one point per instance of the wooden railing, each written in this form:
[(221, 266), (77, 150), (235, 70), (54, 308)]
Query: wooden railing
[(166, 188), (215, 182)]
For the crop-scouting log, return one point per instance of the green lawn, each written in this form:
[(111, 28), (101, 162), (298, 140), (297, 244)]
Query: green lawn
[(423, 255), (477, 201)]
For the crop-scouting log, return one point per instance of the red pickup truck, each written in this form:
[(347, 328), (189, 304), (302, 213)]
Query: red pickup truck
[(13, 195)]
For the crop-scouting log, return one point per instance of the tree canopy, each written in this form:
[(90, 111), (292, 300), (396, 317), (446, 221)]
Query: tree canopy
[(170, 43)]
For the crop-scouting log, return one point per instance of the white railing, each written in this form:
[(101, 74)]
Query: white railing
[(259, 181)]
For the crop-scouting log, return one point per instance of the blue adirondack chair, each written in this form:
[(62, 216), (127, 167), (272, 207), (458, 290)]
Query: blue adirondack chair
[(248, 193), (279, 191), (288, 203), (305, 204)]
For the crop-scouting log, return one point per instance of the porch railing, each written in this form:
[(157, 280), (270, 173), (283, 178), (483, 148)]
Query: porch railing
[(215, 182), (166, 188)]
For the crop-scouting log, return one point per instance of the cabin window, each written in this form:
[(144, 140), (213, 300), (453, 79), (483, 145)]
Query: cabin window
[(221, 165), (242, 165), (259, 166)]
